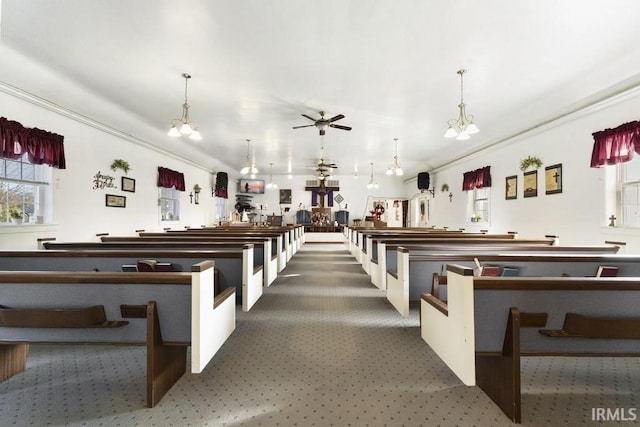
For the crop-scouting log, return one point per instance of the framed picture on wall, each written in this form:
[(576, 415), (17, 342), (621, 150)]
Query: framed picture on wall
[(128, 184), (511, 187), (285, 196), (114, 201), (553, 179), (530, 184), (251, 186)]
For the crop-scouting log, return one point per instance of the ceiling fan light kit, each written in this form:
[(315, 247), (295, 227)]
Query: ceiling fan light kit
[(183, 126), (464, 124), (322, 124)]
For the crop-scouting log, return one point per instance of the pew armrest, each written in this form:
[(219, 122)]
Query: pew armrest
[(436, 303)]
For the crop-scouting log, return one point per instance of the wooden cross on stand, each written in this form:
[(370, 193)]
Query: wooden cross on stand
[(322, 191)]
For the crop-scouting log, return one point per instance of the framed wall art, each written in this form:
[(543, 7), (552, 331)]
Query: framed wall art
[(530, 184), (553, 179), (511, 187), (114, 201), (285, 196), (128, 184), (251, 186)]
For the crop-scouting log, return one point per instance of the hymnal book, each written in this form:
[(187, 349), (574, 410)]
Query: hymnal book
[(490, 270), (607, 271), (486, 270), (509, 271)]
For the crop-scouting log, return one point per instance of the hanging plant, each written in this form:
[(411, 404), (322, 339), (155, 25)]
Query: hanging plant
[(445, 187), (530, 162), (196, 188), (120, 164)]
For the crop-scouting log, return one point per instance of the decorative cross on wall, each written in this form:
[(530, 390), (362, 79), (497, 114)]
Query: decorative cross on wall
[(318, 194), (612, 218)]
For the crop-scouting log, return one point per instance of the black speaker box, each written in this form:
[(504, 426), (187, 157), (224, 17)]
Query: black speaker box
[(423, 181)]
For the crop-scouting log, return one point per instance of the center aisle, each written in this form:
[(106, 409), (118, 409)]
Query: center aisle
[(323, 347)]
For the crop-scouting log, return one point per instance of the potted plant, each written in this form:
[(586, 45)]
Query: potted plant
[(196, 188), (120, 164), (16, 216), (530, 162), (444, 188)]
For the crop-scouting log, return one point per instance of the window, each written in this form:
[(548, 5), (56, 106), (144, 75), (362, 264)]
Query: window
[(629, 186), (478, 206), (23, 190), (169, 204)]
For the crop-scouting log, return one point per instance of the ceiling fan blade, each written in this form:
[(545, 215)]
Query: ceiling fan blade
[(340, 127), (308, 117), (321, 132), (305, 126), (334, 118)]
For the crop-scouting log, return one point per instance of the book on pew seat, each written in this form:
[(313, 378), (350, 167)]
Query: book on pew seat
[(607, 271), (485, 270), (509, 271), (490, 270)]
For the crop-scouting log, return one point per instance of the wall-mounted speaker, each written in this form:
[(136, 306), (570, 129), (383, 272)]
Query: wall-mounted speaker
[(423, 181)]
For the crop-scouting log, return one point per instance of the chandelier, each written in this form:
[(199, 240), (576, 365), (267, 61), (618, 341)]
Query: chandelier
[(464, 124), (372, 183), (271, 184), (395, 169), (186, 127), (249, 166)]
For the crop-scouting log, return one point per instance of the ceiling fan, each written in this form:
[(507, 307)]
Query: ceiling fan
[(323, 123)]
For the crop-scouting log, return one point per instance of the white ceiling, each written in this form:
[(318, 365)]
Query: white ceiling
[(257, 65)]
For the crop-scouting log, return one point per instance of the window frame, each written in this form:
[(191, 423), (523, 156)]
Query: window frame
[(165, 215), (472, 205), (33, 203), (622, 183)]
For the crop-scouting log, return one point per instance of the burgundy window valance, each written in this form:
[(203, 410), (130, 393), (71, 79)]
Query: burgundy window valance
[(478, 178), (168, 178), (613, 146), (42, 147)]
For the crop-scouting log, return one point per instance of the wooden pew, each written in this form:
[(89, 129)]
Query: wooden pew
[(415, 272), (360, 247), (383, 250), (292, 234), (386, 254), (166, 312), (280, 239), (488, 323), (265, 253), (235, 267)]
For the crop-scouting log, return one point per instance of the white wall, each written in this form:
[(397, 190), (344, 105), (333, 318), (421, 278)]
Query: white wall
[(578, 215), (79, 212)]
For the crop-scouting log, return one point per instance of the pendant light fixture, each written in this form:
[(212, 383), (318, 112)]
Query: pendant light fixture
[(183, 125), (371, 183), (464, 124), (395, 169), (271, 184), (249, 166)]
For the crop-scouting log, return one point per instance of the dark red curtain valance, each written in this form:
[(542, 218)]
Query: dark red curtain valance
[(168, 178), (478, 178), (613, 146), (42, 147)]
